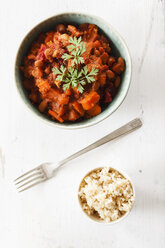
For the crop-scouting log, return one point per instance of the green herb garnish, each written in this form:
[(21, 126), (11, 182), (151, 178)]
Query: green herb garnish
[(75, 77)]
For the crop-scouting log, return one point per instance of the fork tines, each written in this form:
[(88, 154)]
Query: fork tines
[(30, 178)]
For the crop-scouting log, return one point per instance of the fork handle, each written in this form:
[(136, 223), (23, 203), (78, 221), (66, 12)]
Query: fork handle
[(127, 128)]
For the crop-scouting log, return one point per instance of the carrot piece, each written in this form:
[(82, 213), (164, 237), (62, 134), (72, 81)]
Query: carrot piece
[(43, 85), (94, 111), (69, 63), (74, 31), (55, 116), (49, 37), (68, 92), (89, 47), (59, 109), (63, 99), (52, 94), (90, 100), (78, 108), (92, 33)]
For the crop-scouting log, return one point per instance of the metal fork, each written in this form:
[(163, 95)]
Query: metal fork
[(46, 171)]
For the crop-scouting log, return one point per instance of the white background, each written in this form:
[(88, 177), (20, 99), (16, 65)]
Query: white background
[(48, 216)]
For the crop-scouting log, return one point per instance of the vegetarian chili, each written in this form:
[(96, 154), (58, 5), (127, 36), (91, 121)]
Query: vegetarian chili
[(70, 73)]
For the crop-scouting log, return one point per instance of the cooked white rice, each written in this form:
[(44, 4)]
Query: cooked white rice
[(106, 194)]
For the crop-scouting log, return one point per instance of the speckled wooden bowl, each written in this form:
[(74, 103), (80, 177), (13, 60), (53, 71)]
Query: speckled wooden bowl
[(117, 44)]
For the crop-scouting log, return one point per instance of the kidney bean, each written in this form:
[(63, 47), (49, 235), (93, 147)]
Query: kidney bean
[(104, 58), (47, 69), (97, 53), (55, 53), (42, 106), (117, 81), (27, 84), (38, 63), (48, 52), (104, 67), (121, 62), (111, 60), (61, 28), (33, 97), (101, 49), (110, 74), (102, 79), (97, 44), (96, 85), (119, 66), (37, 72)]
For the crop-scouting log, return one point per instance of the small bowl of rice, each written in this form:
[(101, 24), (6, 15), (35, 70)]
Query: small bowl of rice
[(106, 195)]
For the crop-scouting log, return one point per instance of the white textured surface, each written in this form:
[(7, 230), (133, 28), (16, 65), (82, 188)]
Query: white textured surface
[(48, 216)]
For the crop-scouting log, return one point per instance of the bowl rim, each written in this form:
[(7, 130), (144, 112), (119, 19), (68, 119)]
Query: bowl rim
[(96, 119), (124, 174)]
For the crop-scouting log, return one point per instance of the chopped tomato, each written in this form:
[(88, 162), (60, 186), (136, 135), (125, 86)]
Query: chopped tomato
[(107, 97), (41, 55)]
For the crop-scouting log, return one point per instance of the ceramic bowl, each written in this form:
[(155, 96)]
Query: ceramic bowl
[(118, 46), (92, 218)]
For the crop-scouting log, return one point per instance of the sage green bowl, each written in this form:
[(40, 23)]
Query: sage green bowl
[(117, 44)]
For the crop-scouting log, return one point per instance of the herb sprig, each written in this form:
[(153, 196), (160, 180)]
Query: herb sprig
[(73, 77)]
